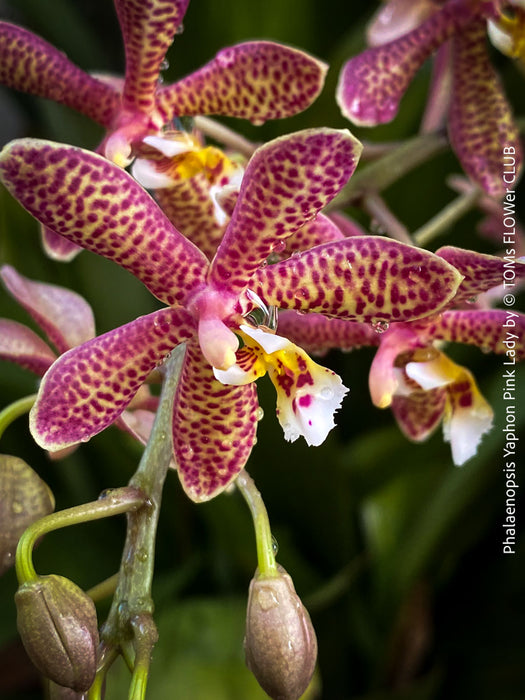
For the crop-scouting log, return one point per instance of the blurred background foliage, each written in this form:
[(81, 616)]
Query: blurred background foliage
[(396, 552)]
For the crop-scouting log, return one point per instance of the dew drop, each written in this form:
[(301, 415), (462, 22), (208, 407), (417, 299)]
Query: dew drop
[(142, 555), (259, 414), (105, 494), (486, 350), (472, 300), (327, 393), (257, 121), (278, 246), (17, 507), (179, 29), (275, 546), (164, 64), (380, 326)]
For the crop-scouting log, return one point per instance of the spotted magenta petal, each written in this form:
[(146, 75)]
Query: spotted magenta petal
[(480, 121), (32, 65), (366, 278), (308, 395), (257, 80), (148, 28), (65, 317), (316, 232), (99, 206), (88, 387), (480, 272), (285, 185), (372, 83), (467, 415), (318, 334), (25, 348), (214, 428), (491, 330)]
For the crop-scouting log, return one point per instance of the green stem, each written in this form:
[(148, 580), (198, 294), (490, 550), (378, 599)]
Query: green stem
[(103, 589), (261, 523), (383, 172), (130, 616), (15, 410), (447, 216), (113, 502)]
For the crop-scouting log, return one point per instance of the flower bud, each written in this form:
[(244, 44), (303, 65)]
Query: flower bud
[(24, 499), (280, 643), (58, 625)]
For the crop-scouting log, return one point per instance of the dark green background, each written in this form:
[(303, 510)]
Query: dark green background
[(396, 552)]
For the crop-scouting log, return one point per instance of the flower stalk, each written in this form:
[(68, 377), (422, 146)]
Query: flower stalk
[(15, 410), (263, 534), (130, 617)]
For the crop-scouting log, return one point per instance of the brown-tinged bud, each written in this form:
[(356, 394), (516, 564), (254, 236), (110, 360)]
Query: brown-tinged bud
[(280, 643), (24, 498), (58, 692), (58, 625)]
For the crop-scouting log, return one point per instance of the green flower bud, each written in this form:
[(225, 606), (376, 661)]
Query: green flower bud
[(58, 625), (24, 499), (280, 643)]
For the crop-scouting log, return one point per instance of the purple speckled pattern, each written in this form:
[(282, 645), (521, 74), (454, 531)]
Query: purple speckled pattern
[(64, 316), (315, 232), (258, 80), (190, 209), (148, 28), (93, 203), (88, 387), (363, 278), (214, 428), (57, 247), (30, 64), (286, 183), (485, 328), (480, 272), (372, 83), (480, 121), (25, 348), (419, 414), (318, 334)]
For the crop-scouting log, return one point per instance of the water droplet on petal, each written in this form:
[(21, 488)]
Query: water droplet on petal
[(179, 29), (278, 246), (380, 326), (327, 393), (259, 414), (472, 300)]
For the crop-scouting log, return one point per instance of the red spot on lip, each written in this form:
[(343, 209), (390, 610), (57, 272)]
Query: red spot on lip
[(305, 400)]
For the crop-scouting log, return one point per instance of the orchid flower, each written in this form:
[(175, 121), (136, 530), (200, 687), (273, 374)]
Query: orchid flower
[(257, 80), (411, 374), (197, 188), (97, 205), (67, 321), (480, 121)]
